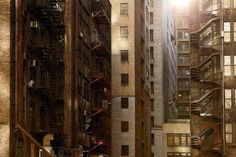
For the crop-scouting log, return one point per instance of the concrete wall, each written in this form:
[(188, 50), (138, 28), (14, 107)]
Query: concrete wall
[(4, 76), (139, 118), (123, 138)]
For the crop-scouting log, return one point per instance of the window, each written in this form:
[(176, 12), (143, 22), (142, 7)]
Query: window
[(124, 102), (151, 3), (227, 67), (183, 35), (235, 30), (124, 55), (124, 150), (183, 47), (226, 3), (152, 139), (152, 121), (152, 104), (124, 32), (183, 139), (124, 126), (152, 87), (228, 132), (226, 31), (170, 139), (228, 100), (176, 140), (151, 52), (124, 79), (124, 8), (151, 35), (234, 65), (152, 69), (151, 18), (177, 154)]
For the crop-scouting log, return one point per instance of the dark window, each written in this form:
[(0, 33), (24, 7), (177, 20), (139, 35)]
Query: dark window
[(152, 121), (151, 53), (152, 87), (124, 55), (124, 150), (124, 102), (152, 104), (124, 126), (152, 139), (152, 69), (124, 79)]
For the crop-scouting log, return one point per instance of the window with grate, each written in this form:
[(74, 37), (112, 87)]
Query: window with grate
[(151, 18), (124, 32), (124, 150), (229, 133), (124, 126), (227, 31), (227, 65), (124, 102), (124, 8), (124, 55), (124, 79), (228, 99)]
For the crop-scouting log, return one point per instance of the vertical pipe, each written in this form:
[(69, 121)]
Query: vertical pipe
[(222, 69), (69, 72)]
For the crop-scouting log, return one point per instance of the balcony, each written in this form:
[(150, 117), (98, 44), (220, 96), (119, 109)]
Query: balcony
[(101, 11)]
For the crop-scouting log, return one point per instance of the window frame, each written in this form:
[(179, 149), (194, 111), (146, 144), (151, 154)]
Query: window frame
[(124, 9), (124, 32), (124, 79)]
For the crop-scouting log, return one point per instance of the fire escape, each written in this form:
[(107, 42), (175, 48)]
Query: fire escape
[(44, 73), (101, 78), (206, 83)]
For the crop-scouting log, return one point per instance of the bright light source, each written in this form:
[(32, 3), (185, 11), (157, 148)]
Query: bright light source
[(181, 3)]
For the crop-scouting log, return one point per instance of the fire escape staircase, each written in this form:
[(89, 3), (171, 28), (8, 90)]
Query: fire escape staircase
[(195, 36), (195, 70), (202, 100)]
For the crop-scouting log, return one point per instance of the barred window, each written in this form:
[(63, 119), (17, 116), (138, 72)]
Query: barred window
[(124, 32), (124, 79), (124, 8), (124, 55)]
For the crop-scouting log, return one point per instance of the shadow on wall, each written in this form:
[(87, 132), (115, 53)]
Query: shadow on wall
[(4, 76)]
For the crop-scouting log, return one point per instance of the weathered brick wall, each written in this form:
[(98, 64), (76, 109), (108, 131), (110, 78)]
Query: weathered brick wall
[(4, 77)]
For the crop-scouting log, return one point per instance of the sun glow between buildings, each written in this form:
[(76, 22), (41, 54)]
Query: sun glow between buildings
[(181, 3)]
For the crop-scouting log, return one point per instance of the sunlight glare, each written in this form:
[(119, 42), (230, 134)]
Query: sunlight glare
[(181, 3)]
